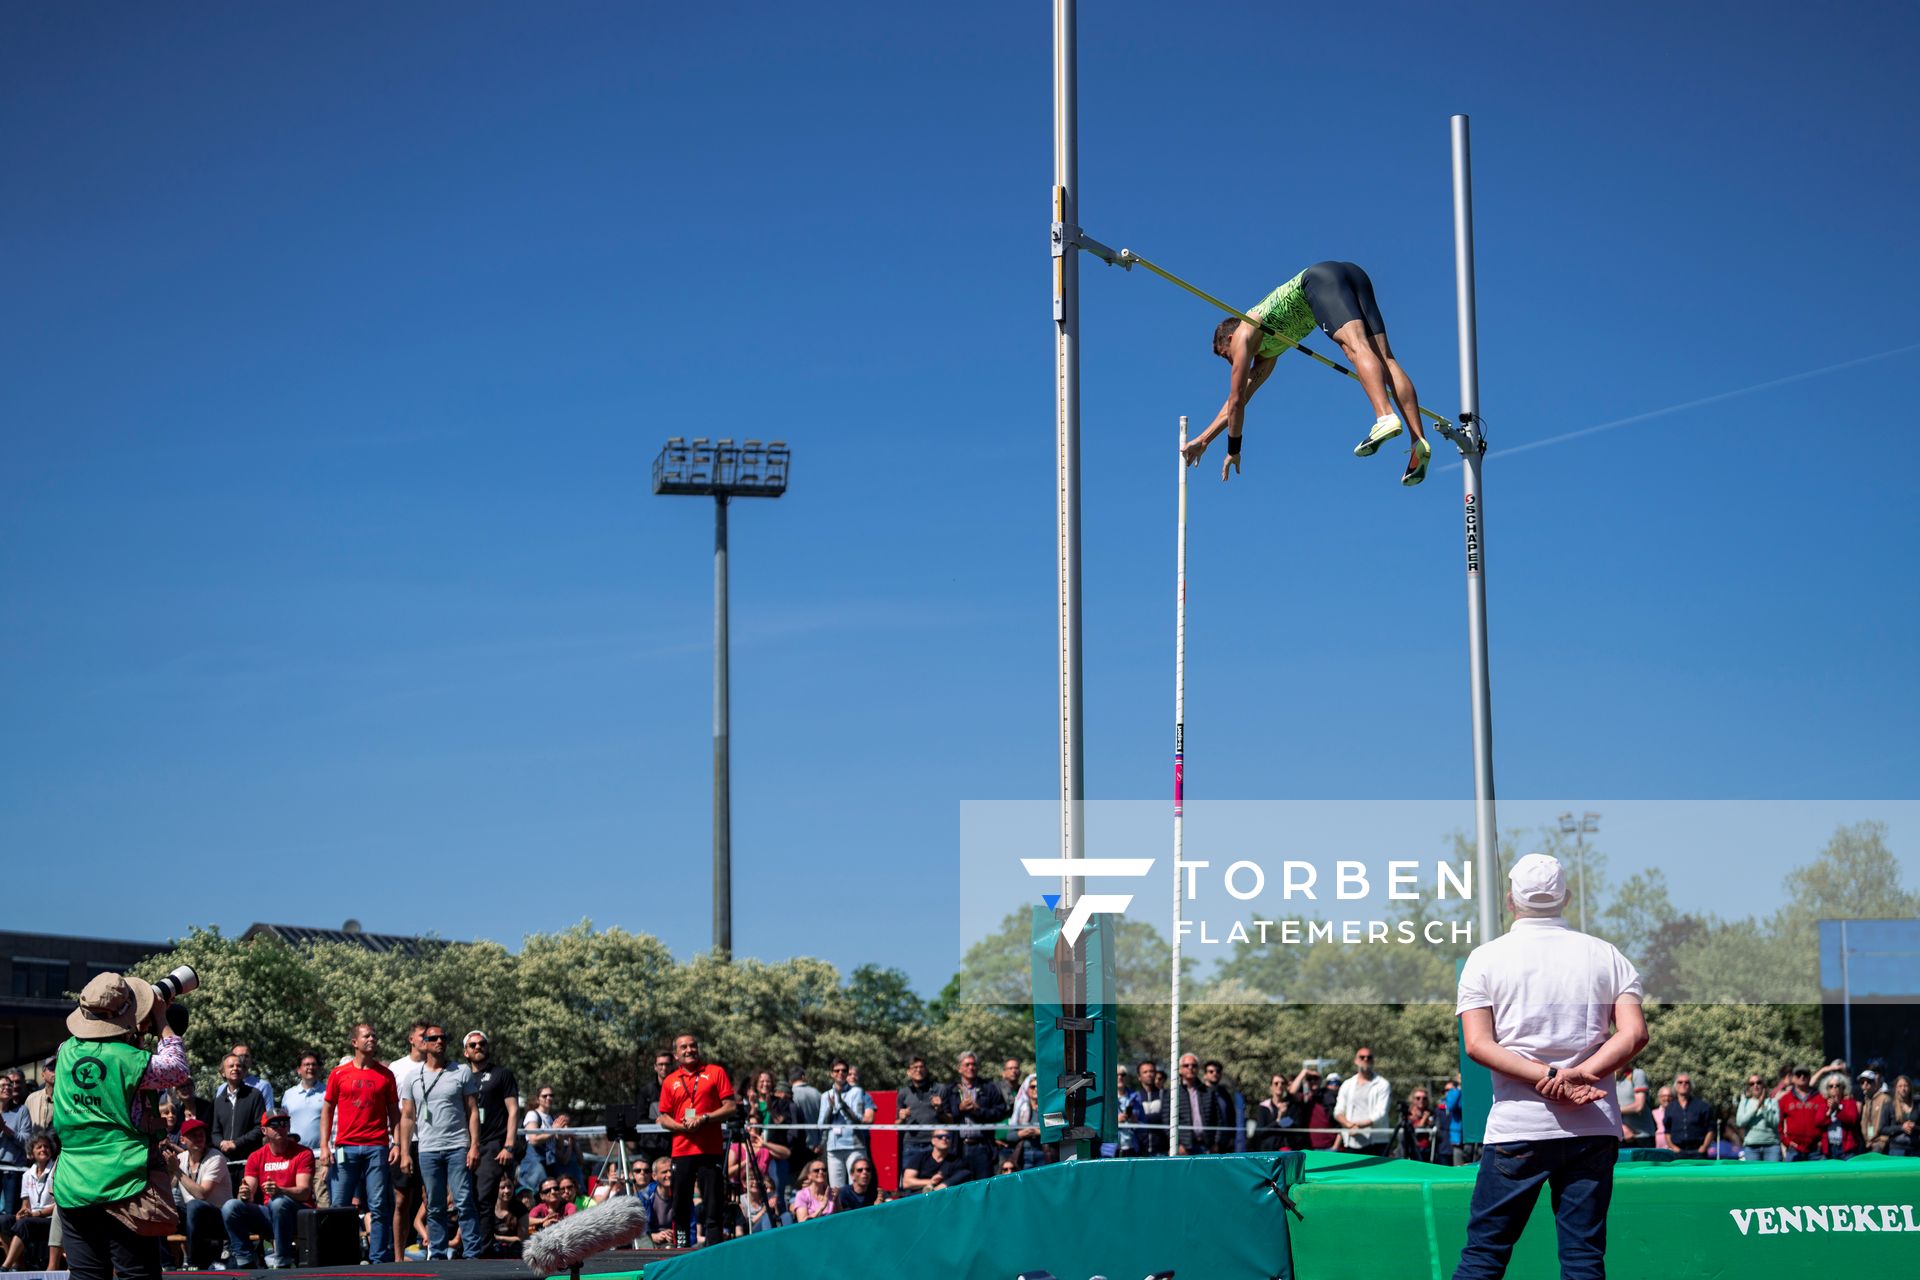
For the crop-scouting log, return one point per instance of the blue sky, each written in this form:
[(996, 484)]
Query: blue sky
[(342, 338)]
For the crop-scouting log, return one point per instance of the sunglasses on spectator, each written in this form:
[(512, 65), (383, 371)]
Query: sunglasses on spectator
[(438, 1037), (1363, 1057)]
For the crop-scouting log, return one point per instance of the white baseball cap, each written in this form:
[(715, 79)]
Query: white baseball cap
[(1539, 882)]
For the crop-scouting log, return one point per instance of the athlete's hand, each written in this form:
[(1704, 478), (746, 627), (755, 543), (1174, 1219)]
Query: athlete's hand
[(1195, 449), (1231, 463)]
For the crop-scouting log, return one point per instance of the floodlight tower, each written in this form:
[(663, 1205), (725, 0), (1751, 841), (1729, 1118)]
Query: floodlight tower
[(722, 470), (1580, 828)]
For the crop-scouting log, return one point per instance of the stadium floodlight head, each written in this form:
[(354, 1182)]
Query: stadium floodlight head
[(722, 468)]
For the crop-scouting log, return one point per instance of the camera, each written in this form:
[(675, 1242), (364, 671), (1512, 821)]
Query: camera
[(177, 983)]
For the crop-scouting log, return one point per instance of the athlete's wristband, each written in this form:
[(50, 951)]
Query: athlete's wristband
[(1233, 446)]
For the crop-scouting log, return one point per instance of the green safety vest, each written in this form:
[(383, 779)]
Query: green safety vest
[(103, 1157)]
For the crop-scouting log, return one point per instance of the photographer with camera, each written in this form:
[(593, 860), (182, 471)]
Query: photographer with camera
[(110, 1209)]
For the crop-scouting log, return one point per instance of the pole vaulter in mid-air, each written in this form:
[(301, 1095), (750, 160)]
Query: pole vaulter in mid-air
[(1338, 297)]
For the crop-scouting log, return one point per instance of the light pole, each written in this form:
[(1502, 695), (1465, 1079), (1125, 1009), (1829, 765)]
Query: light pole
[(1580, 828), (721, 469)]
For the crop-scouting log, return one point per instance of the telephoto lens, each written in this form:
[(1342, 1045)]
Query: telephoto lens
[(177, 983)]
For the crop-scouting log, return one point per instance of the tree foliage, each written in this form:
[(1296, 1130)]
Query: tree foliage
[(584, 1010)]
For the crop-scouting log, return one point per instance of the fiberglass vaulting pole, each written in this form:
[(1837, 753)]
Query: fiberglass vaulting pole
[(1179, 764), (1473, 451), (1066, 322)]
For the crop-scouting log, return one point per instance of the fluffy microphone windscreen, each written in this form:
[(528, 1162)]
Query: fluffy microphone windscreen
[(617, 1221)]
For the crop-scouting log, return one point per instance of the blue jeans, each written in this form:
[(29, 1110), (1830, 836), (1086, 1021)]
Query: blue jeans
[(1768, 1153), (365, 1168), (275, 1222), (444, 1171), (205, 1233), (1580, 1173)]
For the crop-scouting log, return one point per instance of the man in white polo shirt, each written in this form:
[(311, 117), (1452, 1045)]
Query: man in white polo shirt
[(1536, 1007)]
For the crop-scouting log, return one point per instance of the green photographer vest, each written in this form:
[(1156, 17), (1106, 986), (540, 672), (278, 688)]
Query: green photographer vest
[(103, 1157)]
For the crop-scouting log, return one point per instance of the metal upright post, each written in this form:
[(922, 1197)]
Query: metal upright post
[(1486, 865), (722, 783), (1066, 317)]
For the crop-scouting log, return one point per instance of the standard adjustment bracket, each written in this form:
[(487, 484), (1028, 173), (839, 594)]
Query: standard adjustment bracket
[(1065, 237)]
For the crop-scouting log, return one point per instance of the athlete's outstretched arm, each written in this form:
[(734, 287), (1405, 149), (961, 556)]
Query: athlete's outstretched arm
[(1248, 374)]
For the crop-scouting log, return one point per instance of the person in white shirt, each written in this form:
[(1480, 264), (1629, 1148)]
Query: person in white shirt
[(1361, 1107), (407, 1199), (1552, 1013)]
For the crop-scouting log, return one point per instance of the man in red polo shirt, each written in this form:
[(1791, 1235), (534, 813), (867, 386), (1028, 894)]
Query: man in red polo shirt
[(694, 1100)]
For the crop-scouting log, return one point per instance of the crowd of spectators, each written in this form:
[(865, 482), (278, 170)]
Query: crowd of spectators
[(446, 1159)]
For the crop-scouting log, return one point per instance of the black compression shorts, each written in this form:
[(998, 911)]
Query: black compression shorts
[(1339, 293)]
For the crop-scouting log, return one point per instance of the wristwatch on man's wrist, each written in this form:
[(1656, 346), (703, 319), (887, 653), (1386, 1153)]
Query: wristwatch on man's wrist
[(1552, 1072)]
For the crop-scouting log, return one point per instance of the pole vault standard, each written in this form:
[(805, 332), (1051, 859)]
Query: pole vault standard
[(1179, 762), (1473, 448), (1066, 342)]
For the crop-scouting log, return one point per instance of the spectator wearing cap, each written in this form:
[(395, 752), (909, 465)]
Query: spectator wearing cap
[(1690, 1123), (497, 1094), (1328, 1094), (1757, 1121), (203, 1186), (1876, 1113), (278, 1184), (237, 1111), (1362, 1106), (1535, 1008)]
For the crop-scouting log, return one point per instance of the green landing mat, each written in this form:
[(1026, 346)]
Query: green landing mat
[(1371, 1219), (1206, 1217)]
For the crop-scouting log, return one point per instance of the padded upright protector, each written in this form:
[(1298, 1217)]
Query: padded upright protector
[(1102, 1112), (1365, 1218), (1208, 1217), (327, 1237)]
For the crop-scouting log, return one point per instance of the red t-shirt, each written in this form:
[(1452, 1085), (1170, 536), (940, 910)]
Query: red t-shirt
[(1801, 1120), (704, 1090), (283, 1170), (362, 1098)]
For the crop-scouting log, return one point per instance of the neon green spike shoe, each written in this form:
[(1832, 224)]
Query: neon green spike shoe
[(1423, 452), (1384, 429)]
